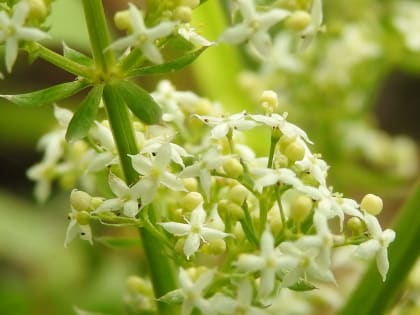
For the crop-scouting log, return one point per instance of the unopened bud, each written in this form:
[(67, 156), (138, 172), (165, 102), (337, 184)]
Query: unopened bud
[(355, 225), (80, 200), (238, 194), (190, 184), (191, 201), (233, 168), (269, 101), (122, 20), (183, 14), (217, 246), (295, 151), (38, 9), (136, 284), (300, 208), (372, 204), (298, 20)]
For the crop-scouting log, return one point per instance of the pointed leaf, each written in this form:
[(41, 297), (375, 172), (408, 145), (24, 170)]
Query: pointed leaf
[(76, 56), (48, 95), (140, 102), (85, 116), (170, 66), (302, 285)]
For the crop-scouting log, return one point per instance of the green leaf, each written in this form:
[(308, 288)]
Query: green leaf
[(172, 297), (118, 242), (76, 56), (170, 66), (48, 95), (372, 296), (85, 116), (140, 102), (302, 285), (79, 311)]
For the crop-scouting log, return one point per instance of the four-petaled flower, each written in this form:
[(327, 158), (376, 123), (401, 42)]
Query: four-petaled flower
[(195, 230), (143, 37), (378, 245), (79, 225), (13, 30)]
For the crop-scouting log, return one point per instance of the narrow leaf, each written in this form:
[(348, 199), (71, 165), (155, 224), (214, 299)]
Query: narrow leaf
[(48, 95), (302, 285), (119, 242), (76, 56), (170, 66), (140, 102), (85, 116)]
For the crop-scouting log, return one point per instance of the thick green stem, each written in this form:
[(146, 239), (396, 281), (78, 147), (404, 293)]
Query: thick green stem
[(162, 270), (372, 296), (60, 61), (98, 34)]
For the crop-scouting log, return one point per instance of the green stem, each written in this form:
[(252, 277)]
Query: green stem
[(98, 34), (61, 61), (133, 58), (372, 296), (162, 270)]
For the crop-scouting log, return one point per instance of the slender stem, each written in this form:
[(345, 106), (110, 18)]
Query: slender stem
[(132, 59), (98, 34), (61, 61), (162, 270)]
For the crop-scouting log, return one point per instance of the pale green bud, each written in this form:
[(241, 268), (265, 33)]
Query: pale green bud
[(122, 21), (38, 9), (300, 208), (285, 141), (295, 151), (356, 225), (298, 20), (238, 194), (95, 202), (269, 101), (233, 168), (190, 3), (238, 232), (217, 247), (80, 200), (372, 204), (190, 184), (235, 211), (137, 284), (183, 14), (179, 246), (190, 201)]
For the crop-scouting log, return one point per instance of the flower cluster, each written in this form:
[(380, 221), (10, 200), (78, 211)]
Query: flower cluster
[(271, 221)]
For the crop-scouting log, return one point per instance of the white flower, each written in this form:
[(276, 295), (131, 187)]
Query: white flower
[(75, 228), (268, 263), (241, 305), (143, 37), (195, 230), (222, 125), (268, 177), (126, 197), (193, 292), (279, 122), (303, 262), (254, 27), (176, 152), (188, 32), (378, 245), (12, 30), (98, 161), (211, 160), (316, 166), (309, 33), (155, 173)]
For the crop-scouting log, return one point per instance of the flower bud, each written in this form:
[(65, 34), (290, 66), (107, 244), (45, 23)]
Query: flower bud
[(238, 232), (191, 3), (95, 202), (300, 208), (285, 141), (183, 14), (80, 200), (122, 20), (137, 284), (372, 204), (179, 246), (190, 184), (233, 168), (37, 9), (298, 20), (295, 151), (355, 225), (217, 246), (190, 201), (269, 101), (238, 194)]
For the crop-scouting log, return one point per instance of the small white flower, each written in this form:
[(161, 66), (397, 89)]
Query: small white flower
[(268, 263), (176, 152), (74, 228), (279, 122), (12, 30), (378, 245), (143, 37), (241, 305), (316, 166), (188, 32), (195, 230), (211, 160), (222, 125), (268, 177), (193, 292), (254, 27), (102, 135), (155, 173), (126, 197), (309, 33)]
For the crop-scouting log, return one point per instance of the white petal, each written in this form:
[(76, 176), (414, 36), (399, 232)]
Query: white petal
[(212, 234), (204, 280), (176, 228), (20, 12), (110, 205), (220, 131), (71, 232), (247, 262), (86, 233), (147, 189), (136, 19), (382, 262), (131, 208), (161, 30), (367, 249), (141, 164), (151, 52), (11, 53), (117, 185), (268, 277), (236, 34), (172, 182), (267, 243), (191, 245)]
